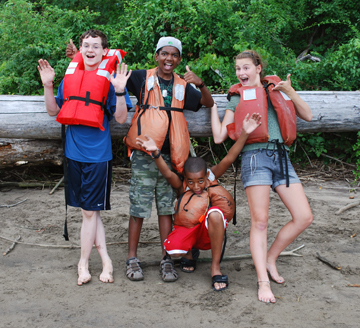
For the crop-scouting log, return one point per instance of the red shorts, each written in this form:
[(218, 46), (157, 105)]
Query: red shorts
[(181, 240)]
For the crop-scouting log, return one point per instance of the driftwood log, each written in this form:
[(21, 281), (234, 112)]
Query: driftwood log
[(25, 117)]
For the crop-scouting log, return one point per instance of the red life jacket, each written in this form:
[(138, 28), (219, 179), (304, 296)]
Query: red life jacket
[(254, 100), (191, 208), (150, 118), (85, 92)]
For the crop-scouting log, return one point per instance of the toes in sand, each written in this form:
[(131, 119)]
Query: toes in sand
[(84, 275), (273, 273), (107, 273), (264, 292)]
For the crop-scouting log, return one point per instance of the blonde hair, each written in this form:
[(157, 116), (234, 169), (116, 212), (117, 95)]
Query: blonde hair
[(255, 57)]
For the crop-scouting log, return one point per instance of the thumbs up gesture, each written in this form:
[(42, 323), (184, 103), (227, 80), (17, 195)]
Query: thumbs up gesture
[(71, 50), (190, 77)]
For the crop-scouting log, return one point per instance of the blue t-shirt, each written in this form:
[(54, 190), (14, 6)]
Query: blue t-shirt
[(88, 144)]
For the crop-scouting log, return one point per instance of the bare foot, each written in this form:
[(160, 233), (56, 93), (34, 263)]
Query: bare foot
[(274, 275), (107, 273), (264, 292), (84, 275)]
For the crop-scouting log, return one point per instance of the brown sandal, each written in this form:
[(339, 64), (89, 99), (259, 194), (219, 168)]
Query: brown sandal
[(167, 270), (133, 269)]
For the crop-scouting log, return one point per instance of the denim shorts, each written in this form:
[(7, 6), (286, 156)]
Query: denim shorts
[(262, 167)]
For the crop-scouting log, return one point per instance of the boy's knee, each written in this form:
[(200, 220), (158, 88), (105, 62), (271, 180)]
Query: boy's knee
[(215, 218), (88, 214)]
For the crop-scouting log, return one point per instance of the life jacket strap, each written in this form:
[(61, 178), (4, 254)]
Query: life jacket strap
[(280, 148), (88, 100)]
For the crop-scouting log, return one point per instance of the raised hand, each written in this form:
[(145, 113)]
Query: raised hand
[(251, 124), (47, 73), (284, 86), (148, 144), (190, 77), (122, 76), (71, 50)]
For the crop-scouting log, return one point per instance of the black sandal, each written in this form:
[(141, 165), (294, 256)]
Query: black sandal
[(186, 263), (220, 280)]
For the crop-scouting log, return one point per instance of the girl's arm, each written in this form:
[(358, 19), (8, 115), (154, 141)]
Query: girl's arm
[(302, 108), (149, 145), (218, 128), (249, 125)]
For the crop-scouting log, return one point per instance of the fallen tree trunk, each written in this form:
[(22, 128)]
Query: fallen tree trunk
[(19, 152), (25, 117)]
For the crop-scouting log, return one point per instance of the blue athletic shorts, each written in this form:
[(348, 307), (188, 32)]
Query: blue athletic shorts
[(89, 185), (262, 167)]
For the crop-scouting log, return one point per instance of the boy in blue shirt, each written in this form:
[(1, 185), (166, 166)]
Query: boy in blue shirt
[(88, 149)]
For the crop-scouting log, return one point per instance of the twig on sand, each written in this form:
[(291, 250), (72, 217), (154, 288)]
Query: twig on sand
[(355, 285), (74, 246), (347, 207), (56, 186), (14, 204), (248, 256), (226, 258), (12, 246), (334, 265)]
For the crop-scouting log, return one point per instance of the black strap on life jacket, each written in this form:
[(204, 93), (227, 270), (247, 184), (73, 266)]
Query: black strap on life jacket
[(88, 101), (277, 146), (280, 148), (66, 189), (236, 173), (224, 246), (145, 106)]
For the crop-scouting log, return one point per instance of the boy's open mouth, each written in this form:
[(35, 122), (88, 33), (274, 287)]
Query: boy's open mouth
[(90, 56), (244, 80), (168, 66)]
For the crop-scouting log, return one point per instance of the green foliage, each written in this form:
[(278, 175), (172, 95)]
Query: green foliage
[(30, 32), (213, 32), (313, 145)]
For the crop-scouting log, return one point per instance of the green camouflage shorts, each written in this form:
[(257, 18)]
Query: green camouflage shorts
[(146, 181)]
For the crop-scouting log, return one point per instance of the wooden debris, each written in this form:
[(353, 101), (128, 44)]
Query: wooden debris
[(56, 186), (226, 258), (354, 235), (326, 261), (12, 246), (12, 205), (355, 285), (347, 207)]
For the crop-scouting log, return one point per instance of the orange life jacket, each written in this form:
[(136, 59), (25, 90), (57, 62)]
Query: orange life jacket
[(150, 118), (85, 92), (254, 100), (191, 208)]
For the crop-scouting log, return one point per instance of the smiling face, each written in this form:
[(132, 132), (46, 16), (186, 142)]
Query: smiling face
[(92, 52), (168, 59), (247, 73), (197, 181)]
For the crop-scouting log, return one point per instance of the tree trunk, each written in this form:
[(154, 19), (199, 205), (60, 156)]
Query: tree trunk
[(25, 117)]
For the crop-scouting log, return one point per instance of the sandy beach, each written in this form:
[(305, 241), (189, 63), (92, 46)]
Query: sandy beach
[(38, 279)]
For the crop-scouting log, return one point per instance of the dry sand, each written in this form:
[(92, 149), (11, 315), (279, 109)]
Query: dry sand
[(38, 284)]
